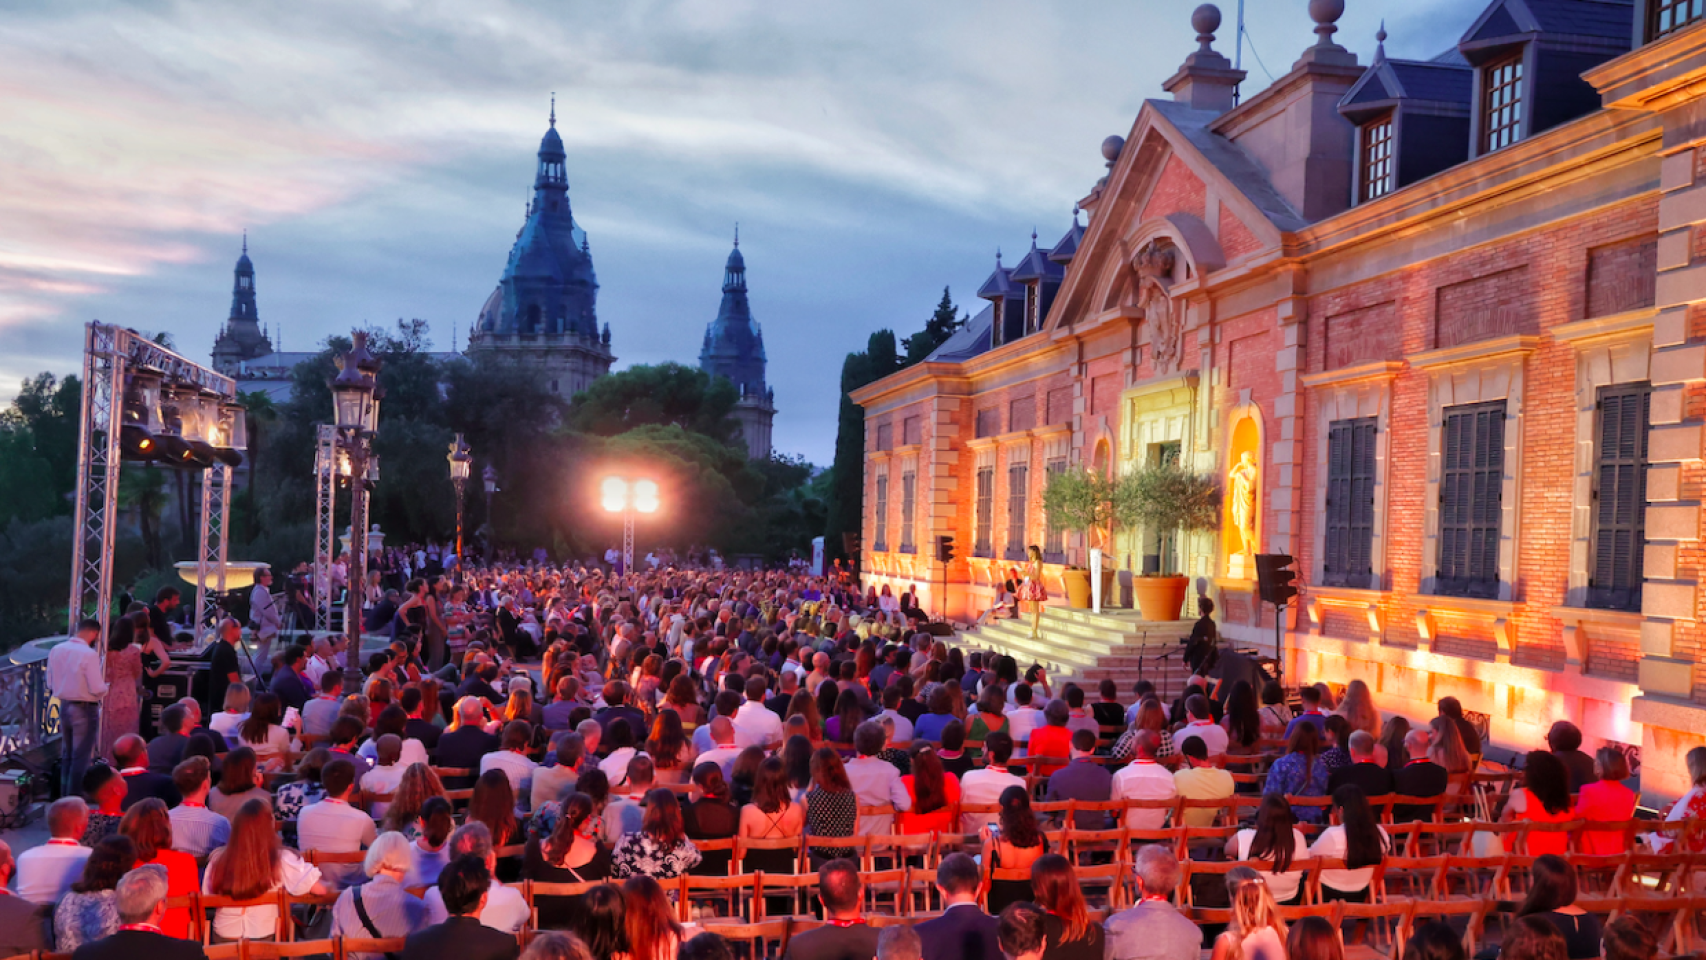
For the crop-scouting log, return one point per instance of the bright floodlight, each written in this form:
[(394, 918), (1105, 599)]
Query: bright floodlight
[(646, 496), (613, 492)]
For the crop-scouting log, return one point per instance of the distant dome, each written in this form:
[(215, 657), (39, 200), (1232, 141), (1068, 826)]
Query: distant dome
[(736, 261)]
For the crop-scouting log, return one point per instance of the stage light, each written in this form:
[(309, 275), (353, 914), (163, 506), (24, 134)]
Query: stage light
[(613, 493), (646, 496), (140, 415)]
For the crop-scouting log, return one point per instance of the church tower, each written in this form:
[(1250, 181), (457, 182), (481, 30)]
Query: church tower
[(241, 338), (734, 348), (544, 312)]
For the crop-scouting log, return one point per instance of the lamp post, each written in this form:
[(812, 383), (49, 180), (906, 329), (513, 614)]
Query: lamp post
[(355, 401), (460, 463), (624, 496), (490, 476)]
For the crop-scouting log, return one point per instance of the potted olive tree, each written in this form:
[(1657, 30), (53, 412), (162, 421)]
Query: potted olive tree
[(1167, 500), (1081, 499)]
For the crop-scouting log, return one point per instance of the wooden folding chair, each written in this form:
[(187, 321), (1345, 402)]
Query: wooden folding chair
[(980, 813), (894, 886), (725, 890), (1387, 925), (1080, 846), (190, 903), (747, 845), (716, 858), (817, 849), (1222, 812), (890, 850), (533, 890), (757, 939), (1435, 804), (1109, 881), (282, 928), (771, 890), (263, 950), (1134, 810), (1600, 875), (349, 945), (1444, 911)]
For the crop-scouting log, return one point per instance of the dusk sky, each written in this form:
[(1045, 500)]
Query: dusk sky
[(380, 153)]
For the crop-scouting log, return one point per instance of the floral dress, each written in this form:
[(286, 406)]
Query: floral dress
[(121, 711), (638, 855), (1297, 775), (84, 918), (293, 796)]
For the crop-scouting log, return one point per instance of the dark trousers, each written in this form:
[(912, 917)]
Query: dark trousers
[(78, 721)]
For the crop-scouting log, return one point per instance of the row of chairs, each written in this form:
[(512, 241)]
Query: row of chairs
[(335, 948)]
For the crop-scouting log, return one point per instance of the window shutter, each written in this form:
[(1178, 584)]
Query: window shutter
[(1350, 503), (1621, 497), (1471, 485)]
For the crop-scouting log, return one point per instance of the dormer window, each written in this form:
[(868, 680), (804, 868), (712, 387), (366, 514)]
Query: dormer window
[(1379, 175), (1668, 16), (1501, 107)]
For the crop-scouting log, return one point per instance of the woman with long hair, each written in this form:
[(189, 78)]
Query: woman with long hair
[(653, 933), (1391, 742), (797, 758), (991, 704), (1544, 797), (150, 829), (262, 732), (1606, 799), (131, 650), (1300, 773), (1276, 713), (832, 809), (1276, 840), (849, 713), (1356, 837), (1552, 897), (1069, 933), (661, 848), (493, 804), (773, 814), (1243, 720), (1256, 931), (571, 854), (1152, 716), (804, 705), (1445, 746), (90, 911), (1314, 938), (602, 923), (683, 698), (934, 792), (1031, 589), (418, 785), (1358, 707), (713, 816), (240, 781), (253, 863), (234, 711), (670, 748), (427, 855), (743, 773), (1013, 842)]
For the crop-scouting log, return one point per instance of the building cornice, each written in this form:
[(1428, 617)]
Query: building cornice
[(1479, 351), (1378, 370), (1617, 325), (1656, 76)]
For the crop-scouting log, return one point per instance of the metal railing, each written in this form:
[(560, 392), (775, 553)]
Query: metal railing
[(29, 715)]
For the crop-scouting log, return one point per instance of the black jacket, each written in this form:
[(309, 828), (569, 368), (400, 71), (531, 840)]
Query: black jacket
[(464, 748), (150, 784), (140, 945), (460, 938), (964, 931), (165, 750), (858, 942), (24, 926), (1373, 779), (1420, 779)]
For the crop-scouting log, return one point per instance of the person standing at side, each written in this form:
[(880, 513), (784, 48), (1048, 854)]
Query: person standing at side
[(263, 613), (75, 676)]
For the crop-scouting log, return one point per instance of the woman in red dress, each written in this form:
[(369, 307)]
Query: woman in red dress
[(1032, 591)]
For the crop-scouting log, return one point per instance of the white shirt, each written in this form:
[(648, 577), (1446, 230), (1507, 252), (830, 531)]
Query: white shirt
[(333, 826), (1330, 845), (225, 723), (902, 726), (984, 785), (382, 780), (46, 873), (413, 752), (1212, 735), (264, 613), (316, 669), (518, 769), (1144, 780), (296, 876), (74, 671), (722, 756), (759, 722), (506, 910), (1020, 723), (1282, 885), (277, 744)]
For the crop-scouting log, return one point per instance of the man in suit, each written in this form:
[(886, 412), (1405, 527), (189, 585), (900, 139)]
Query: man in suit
[(464, 746), (131, 755), (1152, 929), (141, 901), (1374, 779), (963, 929), (1082, 779), (844, 935), (463, 886), (23, 925), (418, 726), (1420, 777)]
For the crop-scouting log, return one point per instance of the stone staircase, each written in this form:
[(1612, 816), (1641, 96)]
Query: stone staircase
[(1089, 647)]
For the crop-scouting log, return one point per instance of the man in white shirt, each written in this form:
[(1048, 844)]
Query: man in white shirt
[(46, 873), (506, 911), (1200, 724), (385, 777), (724, 747), (986, 784), (757, 720), (264, 614), (334, 826), (75, 676), (320, 662), (1022, 719), (514, 762), (554, 784), (196, 830), (875, 781), (1144, 779)]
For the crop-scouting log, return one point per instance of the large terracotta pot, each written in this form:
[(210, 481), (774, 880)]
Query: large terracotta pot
[(1160, 598), (1077, 583)]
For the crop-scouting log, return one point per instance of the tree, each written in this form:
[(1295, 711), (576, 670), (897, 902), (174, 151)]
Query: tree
[(846, 498), (943, 323), (665, 394)]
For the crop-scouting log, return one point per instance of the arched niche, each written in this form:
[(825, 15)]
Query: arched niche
[(1244, 435)]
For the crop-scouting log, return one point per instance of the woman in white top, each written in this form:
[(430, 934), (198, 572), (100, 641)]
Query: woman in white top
[(1256, 931), (226, 722), (254, 863), (262, 732), (1276, 840), (1354, 837)]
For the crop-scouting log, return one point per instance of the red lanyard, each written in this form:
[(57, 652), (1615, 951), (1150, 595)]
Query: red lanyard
[(141, 926), (62, 842), (855, 922)]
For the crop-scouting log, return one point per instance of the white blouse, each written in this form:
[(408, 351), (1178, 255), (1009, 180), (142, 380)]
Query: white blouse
[(1282, 885), (1330, 845), (296, 876)]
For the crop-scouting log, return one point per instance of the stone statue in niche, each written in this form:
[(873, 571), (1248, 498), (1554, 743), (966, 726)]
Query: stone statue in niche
[(1154, 265), (1241, 483)]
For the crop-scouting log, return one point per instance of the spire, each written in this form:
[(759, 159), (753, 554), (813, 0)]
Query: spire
[(245, 243), (553, 109), (1380, 41), (1075, 214), (737, 234), (734, 272)]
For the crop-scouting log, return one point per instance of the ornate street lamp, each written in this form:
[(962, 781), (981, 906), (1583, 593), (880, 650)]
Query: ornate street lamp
[(461, 462), (355, 402)]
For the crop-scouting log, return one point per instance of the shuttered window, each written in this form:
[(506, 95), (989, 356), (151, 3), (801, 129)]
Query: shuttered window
[(1016, 480), (984, 542), (908, 510), (1054, 538), (1620, 497), (1471, 484), (1350, 504), (882, 511)]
